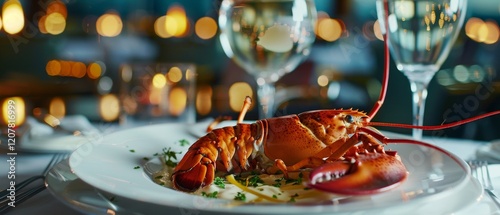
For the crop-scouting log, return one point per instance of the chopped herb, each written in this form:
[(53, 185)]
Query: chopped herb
[(137, 167), (240, 196), (296, 195), (292, 199), (275, 196), (219, 182), (158, 177), (295, 181), (131, 150), (162, 183), (145, 158), (278, 182), (184, 142), (254, 181), (210, 195), (156, 154), (169, 155)]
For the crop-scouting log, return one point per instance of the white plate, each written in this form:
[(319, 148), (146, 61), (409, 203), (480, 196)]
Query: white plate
[(71, 190), (110, 165)]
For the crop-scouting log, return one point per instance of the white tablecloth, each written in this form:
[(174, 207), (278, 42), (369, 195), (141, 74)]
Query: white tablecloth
[(29, 164)]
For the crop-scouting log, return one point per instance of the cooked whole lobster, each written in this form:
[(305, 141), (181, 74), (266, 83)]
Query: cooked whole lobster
[(344, 151)]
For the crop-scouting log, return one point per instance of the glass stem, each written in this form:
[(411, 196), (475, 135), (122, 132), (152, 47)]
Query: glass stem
[(419, 90), (266, 93)]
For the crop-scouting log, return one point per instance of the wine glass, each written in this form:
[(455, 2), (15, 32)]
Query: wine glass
[(421, 34), (267, 38)]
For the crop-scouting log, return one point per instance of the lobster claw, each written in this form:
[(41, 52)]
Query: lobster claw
[(369, 173)]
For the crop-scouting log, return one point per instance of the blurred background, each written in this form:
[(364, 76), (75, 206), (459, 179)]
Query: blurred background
[(67, 57)]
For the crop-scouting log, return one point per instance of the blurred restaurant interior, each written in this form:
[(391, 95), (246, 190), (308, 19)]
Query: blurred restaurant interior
[(68, 57)]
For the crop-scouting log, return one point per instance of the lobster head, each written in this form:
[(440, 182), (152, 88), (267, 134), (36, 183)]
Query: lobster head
[(334, 123)]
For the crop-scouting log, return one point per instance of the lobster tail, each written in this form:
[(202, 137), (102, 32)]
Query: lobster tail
[(193, 172), (220, 146)]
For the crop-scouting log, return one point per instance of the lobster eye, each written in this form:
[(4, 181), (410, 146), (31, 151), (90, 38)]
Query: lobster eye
[(349, 119)]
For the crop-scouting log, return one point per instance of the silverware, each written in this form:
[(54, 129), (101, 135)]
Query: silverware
[(480, 171), (24, 195)]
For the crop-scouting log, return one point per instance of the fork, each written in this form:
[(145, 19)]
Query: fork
[(480, 171), (22, 196)]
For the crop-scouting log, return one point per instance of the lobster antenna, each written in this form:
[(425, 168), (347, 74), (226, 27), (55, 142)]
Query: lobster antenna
[(434, 127), (385, 79)]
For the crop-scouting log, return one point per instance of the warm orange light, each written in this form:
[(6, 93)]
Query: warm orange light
[(78, 70), (177, 101), (206, 28), (377, 31), (109, 25), (13, 111), (161, 28), (174, 74), (94, 71), (55, 23), (53, 68), (1, 24), (237, 93), (109, 107), (204, 100), (329, 29), (57, 108), (176, 21), (159, 80), (41, 25), (472, 27), (13, 16), (65, 68), (493, 32), (323, 80), (57, 7)]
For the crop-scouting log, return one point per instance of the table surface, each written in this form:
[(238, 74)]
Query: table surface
[(30, 164)]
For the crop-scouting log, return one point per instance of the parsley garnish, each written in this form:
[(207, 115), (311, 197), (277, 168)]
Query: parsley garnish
[(274, 196), (137, 167), (240, 196), (219, 182), (254, 181), (295, 181), (184, 142), (210, 195), (278, 182), (131, 150), (170, 156)]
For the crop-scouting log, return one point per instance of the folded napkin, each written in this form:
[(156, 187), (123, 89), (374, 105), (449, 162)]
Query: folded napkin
[(69, 125), (489, 152)]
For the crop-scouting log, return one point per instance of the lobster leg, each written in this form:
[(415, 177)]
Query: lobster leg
[(331, 152), (244, 109)]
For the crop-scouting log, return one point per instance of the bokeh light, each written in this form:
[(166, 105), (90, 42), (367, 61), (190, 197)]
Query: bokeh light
[(54, 23), (18, 106), (13, 16), (237, 94), (57, 108), (206, 28), (109, 107), (109, 25)]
